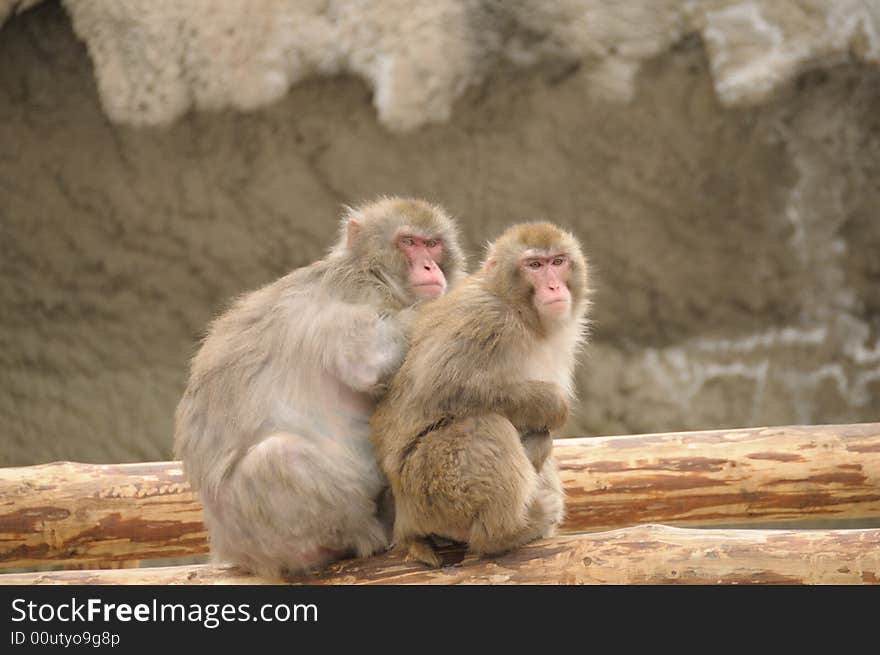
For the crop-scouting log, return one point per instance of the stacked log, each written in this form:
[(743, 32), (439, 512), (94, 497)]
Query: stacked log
[(84, 515)]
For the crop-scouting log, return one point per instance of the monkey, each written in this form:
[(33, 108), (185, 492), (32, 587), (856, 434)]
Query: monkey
[(273, 425), (463, 433)]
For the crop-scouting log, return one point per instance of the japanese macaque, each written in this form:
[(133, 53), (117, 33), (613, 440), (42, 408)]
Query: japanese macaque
[(464, 431), (273, 427)]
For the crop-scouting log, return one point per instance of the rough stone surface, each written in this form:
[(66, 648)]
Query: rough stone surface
[(721, 172), (157, 59)]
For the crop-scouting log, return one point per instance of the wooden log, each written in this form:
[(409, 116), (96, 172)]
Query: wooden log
[(81, 514), (96, 515), (723, 477), (647, 554)]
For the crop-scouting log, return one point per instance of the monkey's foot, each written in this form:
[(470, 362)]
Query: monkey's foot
[(420, 550)]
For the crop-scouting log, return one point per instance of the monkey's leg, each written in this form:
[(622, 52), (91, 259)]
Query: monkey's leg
[(386, 510), (288, 508), (548, 504), (545, 513), (538, 446), (409, 539), (501, 482)]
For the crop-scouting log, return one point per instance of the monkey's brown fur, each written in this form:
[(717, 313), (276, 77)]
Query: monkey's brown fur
[(484, 369)]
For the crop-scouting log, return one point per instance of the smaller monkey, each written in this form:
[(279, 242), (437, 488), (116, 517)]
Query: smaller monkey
[(464, 432)]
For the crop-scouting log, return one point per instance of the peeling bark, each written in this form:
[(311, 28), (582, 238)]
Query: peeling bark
[(722, 477), (104, 515), (100, 514), (646, 554)]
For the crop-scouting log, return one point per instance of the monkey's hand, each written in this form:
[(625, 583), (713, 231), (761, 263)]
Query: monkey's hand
[(373, 354)]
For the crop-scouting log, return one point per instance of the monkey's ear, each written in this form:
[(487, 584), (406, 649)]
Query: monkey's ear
[(351, 232), (491, 260)]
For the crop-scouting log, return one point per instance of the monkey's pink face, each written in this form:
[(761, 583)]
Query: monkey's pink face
[(548, 275), (424, 255)]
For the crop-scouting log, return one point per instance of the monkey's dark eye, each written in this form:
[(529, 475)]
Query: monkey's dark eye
[(408, 242), (558, 261), (535, 264), (431, 243)]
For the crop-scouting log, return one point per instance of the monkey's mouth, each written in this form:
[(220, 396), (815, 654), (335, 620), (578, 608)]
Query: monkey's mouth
[(430, 287)]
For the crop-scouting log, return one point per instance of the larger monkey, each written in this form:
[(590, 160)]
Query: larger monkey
[(463, 432), (273, 427)]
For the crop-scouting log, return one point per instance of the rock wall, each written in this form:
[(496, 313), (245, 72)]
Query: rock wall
[(721, 168)]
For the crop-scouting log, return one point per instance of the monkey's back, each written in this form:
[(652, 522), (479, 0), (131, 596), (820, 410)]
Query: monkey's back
[(249, 376)]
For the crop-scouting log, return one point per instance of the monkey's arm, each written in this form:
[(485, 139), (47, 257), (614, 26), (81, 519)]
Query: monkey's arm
[(533, 406), (361, 347)]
